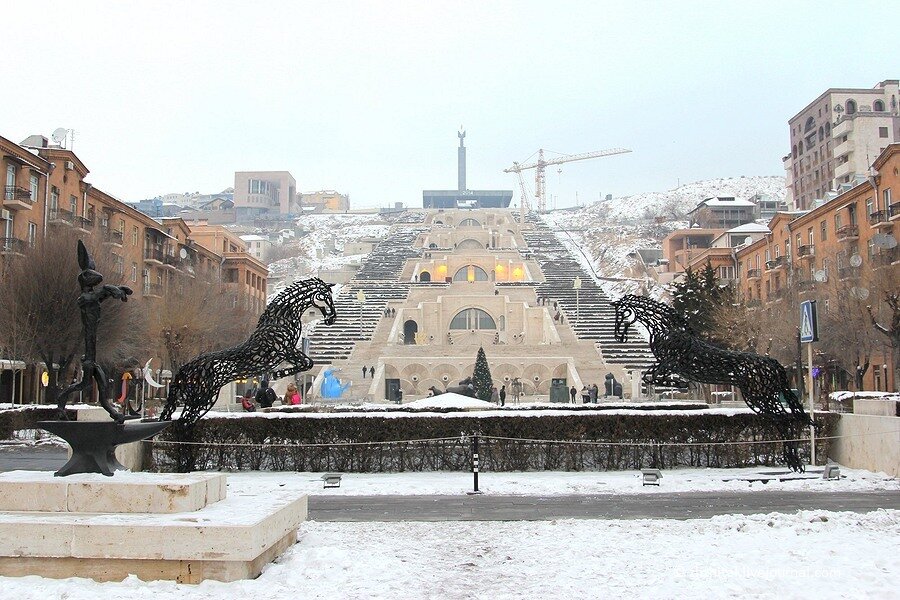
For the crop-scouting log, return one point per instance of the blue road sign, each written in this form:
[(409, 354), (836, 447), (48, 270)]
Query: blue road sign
[(809, 327)]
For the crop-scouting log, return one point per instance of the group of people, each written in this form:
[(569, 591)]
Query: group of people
[(371, 371), (390, 312), (588, 394), (498, 396), (265, 397)]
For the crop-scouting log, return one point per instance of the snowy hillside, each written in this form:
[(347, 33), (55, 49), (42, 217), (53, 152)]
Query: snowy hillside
[(674, 204), (607, 234), (323, 246)]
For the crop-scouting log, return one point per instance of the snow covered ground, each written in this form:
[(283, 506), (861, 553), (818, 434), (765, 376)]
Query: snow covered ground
[(551, 483), (811, 554)]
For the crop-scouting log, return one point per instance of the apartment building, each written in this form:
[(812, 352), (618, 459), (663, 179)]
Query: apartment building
[(850, 239), (258, 193), (24, 212), (837, 136), (244, 275), (325, 201), (723, 212)]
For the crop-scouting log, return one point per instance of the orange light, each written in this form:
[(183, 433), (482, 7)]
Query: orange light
[(442, 269), (517, 273)]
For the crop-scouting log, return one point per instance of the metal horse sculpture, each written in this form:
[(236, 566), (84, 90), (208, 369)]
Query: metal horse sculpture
[(196, 385), (762, 381)]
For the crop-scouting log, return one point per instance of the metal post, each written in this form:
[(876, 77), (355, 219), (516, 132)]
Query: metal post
[(812, 407), (475, 489)]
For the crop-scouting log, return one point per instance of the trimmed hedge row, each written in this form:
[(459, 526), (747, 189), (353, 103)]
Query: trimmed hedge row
[(270, 444), (15, 419)]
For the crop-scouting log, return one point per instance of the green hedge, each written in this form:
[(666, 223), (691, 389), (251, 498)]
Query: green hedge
[(15, 419), (260, 443)]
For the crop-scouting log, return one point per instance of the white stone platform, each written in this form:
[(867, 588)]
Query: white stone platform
[(123, 493), (226, 540)]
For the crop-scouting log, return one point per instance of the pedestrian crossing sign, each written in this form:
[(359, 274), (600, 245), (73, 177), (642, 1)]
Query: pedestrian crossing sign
[(809, 329)]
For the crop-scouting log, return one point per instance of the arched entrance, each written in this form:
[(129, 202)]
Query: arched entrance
[(410, 328), (424, 276)]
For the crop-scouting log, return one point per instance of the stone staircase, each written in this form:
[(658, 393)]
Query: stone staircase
[(588, 312)]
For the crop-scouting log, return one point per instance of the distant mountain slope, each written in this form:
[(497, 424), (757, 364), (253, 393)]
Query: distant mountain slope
[(677, 202)]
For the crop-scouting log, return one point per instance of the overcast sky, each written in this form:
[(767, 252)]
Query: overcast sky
[(366, 98)]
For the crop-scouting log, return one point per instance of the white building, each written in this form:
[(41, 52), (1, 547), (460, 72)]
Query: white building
[(837, 136), (258, 246)]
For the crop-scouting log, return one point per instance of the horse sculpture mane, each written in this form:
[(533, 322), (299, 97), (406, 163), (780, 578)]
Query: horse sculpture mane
[(762, 380), (196, 385)]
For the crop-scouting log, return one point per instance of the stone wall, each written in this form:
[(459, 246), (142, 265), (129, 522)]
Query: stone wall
[(868, 442)]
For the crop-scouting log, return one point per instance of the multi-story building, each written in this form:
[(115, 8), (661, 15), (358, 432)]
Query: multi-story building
[(837, 136), (846, 245), (258, 246), (244, 274), (325, 201), (259, 193), (24, 212), (723, 212)]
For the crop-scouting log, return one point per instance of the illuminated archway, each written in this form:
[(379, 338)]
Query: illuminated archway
[(470, 273), (472, 318)]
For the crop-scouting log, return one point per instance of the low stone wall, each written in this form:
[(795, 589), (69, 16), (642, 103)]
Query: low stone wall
[(867, 442)]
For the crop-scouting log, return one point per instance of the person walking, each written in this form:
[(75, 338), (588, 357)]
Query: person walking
[(502, 395), (572, 393), (495, 396), (364, 371), (371, 372), (585, 395), (594, 391)]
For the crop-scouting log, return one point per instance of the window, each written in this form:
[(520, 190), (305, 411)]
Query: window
[(134, 235), (878, 106), (851, 107), (882, 132), (837, 221), (133, 272), (886, 195), (33, 187), (122, 226), (32, 233), (470, 273), (472, 318), (823, 231), (870, 249), (870, 205), (10, 177), (54, 199), (73, 205)]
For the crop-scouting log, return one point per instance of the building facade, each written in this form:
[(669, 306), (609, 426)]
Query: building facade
[(837, 136), (846, 247), (259, 193), (325, 201)]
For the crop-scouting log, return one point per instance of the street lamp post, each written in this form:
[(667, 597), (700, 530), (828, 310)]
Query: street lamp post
[(361, 298), (577, 285)]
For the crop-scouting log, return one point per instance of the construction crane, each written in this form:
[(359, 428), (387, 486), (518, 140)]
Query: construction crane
[(541, 164)]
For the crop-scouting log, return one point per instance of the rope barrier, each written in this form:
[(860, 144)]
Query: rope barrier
[(301, 445)]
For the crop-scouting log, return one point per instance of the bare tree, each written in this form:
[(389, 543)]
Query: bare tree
[(885, 316), (39, 312)]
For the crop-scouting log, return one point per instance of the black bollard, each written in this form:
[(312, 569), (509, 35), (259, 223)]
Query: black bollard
[(474, 465)]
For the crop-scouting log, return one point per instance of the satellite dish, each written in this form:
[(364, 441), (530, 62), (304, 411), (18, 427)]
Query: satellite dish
[(182, 253), (59, 135), (748, 240), (855, 260), (889, 241), (862, 293), (820, 276)]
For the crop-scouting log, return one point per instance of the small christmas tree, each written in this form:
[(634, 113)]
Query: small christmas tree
[(481, 379)]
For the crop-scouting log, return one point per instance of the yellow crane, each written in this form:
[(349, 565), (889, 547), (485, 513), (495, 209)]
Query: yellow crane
[(541, 164)]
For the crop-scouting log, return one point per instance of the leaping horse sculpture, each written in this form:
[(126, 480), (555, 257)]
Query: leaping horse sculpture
[(196, 385), (762, 381)]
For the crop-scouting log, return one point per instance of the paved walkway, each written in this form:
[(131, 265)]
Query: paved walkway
[(27, 458), (631, 506)]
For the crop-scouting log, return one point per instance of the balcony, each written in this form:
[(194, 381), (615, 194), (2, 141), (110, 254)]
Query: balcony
[(845, 273), (154, 290), (114, 237), (775, 295), (16, 198), (84, 224), (754, 273), (60, 216), (886, 257), (807, 251), (154, 255), (880, 219), (776, 263), (894, 211), (12, 246), (848, 233), (171, 260), (806, 286), (845, 168), (843, 126)]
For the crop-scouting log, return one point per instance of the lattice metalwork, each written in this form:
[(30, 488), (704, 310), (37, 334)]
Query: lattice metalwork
[(196, 385), (762, 381)]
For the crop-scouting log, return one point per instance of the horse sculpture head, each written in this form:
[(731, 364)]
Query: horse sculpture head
[(626, 315), (322, 300)]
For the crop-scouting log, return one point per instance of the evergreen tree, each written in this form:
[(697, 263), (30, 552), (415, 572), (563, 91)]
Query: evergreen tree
[(697, 297), (481, 378)]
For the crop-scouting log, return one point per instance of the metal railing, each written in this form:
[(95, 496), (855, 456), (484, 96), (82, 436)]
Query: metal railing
[(806, 251), (154, 254), (847, 232), (12, 244), (752, 273), (14, 192), (61, 214), (879, 216), (115, 236)]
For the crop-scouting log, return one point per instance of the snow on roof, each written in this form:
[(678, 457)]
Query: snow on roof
[(725, 201), (749, 228), (450, 400), (254, 238)]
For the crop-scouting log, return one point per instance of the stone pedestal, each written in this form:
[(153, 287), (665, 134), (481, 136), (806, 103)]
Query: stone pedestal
[(179, 527)]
